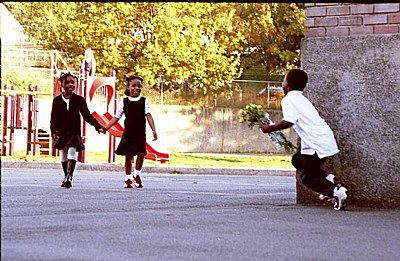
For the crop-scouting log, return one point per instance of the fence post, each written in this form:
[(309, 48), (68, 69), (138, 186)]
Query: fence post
[(82, 154), (35, 110), (5, 119), (12, 122), (29, 127)]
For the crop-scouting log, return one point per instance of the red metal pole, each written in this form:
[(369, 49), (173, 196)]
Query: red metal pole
[(115, 111), (29, 127), (35, 119), (55, 93), (82, 154), (18, 120), (12, 123), (5, 119)]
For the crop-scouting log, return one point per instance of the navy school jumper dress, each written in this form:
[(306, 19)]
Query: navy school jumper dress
[(133, 141)]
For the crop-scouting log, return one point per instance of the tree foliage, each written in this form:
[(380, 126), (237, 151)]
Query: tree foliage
[(273, 34), (205, 42)]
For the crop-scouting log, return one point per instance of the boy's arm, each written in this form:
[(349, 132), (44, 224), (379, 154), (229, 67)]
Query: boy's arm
[(152, 126), (266, 128)]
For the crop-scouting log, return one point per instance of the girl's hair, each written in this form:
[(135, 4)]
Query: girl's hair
[(63, 77), (131, 78)]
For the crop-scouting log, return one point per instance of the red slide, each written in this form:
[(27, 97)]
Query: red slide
[(117, 131)]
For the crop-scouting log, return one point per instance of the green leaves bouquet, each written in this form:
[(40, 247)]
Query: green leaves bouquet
[(253, 114)]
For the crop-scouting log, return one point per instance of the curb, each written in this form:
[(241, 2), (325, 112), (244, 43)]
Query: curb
[(156, 169)]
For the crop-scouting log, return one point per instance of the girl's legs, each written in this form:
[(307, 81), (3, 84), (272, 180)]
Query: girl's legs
[(64, 163), (128, 171), (136, 171), (139, 162), (71, 161), (68, 161)]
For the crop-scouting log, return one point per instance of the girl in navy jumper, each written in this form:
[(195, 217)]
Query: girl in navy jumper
[(65, 125), (133, 142)]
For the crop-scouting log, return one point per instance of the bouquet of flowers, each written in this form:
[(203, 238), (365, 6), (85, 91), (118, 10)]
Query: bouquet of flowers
[(252, 114)]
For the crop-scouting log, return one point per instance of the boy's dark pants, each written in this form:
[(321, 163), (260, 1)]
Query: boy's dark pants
[(311, 174)]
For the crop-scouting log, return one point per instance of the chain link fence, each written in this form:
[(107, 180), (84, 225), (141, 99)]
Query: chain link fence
[(266, 93)]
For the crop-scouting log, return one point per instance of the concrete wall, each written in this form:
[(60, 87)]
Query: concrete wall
[(354, 82), (195, 129), (201, 130)]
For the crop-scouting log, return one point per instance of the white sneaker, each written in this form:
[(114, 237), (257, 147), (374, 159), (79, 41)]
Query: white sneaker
[(128, 182), (331, 178), (137, 181), (340, 197)]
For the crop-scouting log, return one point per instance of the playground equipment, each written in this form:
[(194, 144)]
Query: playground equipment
[(21, 111), (117, 131), (16, 104)]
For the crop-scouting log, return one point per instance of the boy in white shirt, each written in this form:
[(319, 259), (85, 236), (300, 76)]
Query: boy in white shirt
[(317, 139)]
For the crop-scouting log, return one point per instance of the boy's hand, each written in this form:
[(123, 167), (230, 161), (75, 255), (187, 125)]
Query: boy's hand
[(265, 128)]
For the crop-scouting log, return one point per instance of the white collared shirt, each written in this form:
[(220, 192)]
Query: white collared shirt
[(120, 110), (316, 136), (66, 101)]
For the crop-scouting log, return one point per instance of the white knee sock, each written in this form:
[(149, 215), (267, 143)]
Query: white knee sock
[(136, 172)]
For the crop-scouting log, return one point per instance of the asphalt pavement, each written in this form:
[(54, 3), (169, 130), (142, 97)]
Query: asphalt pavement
[(181, 215)]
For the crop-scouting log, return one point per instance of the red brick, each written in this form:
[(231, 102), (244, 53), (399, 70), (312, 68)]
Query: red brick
[(362, 9), (350, 20), (386, 8), (361, 30), (386, 29), (394, 18), (375, 19), (315, 11), (339, 10), (326, 21), (337, 31), (326, 4), (310, 22), (315, 32)]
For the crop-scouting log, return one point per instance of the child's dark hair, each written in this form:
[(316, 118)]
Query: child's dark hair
[(63, 77), (297, 79), (131, 78)]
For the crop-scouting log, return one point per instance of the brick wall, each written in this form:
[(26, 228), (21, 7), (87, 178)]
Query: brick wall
[(345, 19)]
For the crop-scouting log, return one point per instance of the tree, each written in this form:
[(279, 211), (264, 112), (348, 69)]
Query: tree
[(191, 41), (205, 42), (273, 34)]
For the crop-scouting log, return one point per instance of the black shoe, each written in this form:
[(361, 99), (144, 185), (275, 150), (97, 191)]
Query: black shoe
[(63, 182), (68, 184)]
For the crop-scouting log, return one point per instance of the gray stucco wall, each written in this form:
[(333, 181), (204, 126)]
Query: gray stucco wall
[(355, 84)]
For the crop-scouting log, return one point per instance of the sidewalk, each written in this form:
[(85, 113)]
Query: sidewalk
[(157, 169)]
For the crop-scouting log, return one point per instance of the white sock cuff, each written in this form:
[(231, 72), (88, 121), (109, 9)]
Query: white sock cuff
[(128, 176), (331, 178)]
